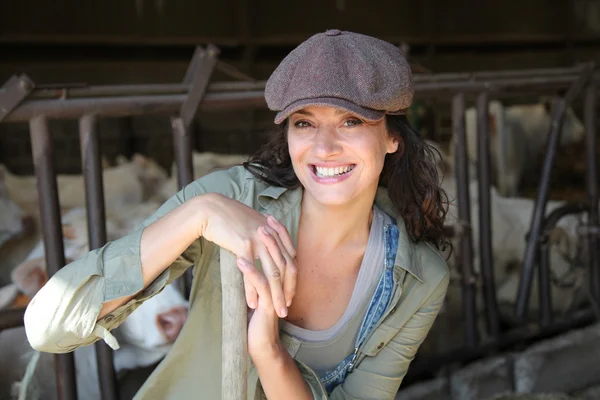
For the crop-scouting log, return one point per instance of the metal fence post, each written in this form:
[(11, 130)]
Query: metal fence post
[(464, 215), (485, 215), (91, 164), (43, 159)]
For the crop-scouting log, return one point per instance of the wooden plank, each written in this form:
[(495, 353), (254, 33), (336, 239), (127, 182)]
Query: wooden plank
[(235, 330)]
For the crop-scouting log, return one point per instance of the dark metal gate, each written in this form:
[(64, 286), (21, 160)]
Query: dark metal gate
[(22, 101)]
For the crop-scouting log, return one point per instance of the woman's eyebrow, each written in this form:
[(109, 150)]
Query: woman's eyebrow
[(303, 112), (339, 111)]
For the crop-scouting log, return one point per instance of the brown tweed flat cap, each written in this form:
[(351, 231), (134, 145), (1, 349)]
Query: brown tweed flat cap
[(347, 70)]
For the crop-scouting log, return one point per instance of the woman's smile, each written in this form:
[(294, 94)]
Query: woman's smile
[(327, 174)]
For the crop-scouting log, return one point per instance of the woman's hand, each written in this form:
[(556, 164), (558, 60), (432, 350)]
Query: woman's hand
[(278, 373), (263, 326), (248, 234)]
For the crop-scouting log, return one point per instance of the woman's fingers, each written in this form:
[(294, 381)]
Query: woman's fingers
[(256, 280), (275, 279), (283, 234), (289, 283), (251, 294), (276, 249), (283, 260), (277, 255), (249, 288)]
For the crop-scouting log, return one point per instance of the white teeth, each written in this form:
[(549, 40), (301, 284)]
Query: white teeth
[(322, 171)]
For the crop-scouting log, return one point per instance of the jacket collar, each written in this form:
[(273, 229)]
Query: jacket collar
[(270, 193), (406, 249)]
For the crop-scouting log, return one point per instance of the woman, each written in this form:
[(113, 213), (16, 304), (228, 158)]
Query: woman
[(349, 281)]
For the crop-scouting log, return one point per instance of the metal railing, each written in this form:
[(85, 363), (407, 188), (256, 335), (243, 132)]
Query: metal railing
[(22, 101)]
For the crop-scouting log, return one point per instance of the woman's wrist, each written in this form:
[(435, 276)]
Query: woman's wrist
[(198, 213), (268, 353), (279, 375)]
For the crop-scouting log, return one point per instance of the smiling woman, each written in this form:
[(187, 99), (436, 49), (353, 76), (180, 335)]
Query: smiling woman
[(344, 212), (329, 146)]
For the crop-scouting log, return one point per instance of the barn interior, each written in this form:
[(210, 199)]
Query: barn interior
[(531, 63)]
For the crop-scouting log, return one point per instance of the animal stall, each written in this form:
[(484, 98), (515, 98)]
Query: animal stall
[(21, 100)]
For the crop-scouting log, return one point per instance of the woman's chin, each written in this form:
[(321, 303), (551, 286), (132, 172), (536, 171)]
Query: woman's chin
[(332, 197)]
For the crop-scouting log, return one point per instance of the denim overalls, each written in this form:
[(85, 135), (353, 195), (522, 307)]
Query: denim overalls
[(379, 303)]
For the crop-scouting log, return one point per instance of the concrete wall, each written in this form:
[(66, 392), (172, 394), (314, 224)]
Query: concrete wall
[(566, 364)]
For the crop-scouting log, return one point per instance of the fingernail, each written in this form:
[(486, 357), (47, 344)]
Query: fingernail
[(264, 230), (289, 303), (271, 218), (283, 312), (252, 304)]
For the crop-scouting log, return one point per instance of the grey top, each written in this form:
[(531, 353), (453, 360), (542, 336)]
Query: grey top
[(323, 350)]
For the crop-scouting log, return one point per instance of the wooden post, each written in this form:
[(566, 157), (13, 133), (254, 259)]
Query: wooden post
[(235, 330)]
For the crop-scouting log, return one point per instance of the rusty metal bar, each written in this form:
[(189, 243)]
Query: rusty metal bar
[(203, 68), (192, 67), (489, 75), (11, 318), (135, 105), (13, 92), (544, 288), (43, 159), (464, 216), (485, 215), (68, 91), (531, 250), (91, 164), (592, 191), (170, 103), (182, 143), (494, 85), (71, 93)]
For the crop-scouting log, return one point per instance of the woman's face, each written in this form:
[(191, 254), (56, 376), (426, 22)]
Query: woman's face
[(336, 155)]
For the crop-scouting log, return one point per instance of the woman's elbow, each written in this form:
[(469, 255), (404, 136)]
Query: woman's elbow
[(42, 329), (39, 335)]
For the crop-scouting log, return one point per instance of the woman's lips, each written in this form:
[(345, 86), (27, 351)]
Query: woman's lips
[(329, 179)]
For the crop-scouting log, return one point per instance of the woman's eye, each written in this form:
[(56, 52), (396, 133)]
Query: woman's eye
[(353, 122), (302, 124)]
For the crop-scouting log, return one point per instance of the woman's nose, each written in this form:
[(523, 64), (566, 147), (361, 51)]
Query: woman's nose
[(327, 142)]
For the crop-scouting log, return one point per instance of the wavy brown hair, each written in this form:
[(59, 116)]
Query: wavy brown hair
[(409, 174)]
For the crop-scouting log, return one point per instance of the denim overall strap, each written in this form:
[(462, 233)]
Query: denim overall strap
[(379, 303)]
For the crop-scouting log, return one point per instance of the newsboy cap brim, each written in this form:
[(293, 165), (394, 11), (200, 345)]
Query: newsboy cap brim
[(342, 104)]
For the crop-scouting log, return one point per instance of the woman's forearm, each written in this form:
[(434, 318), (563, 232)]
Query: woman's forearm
[(163, 241), (279, 376)]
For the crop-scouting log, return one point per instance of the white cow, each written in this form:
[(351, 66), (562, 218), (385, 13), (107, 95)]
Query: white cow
[(511, 220), (203, 164), (13, 220), (129, 182), (517, 135)]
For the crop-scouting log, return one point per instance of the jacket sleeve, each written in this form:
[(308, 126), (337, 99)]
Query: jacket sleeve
[(379, 377), (63, 315)]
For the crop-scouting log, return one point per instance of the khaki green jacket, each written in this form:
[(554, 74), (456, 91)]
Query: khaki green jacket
[(62, 316)]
